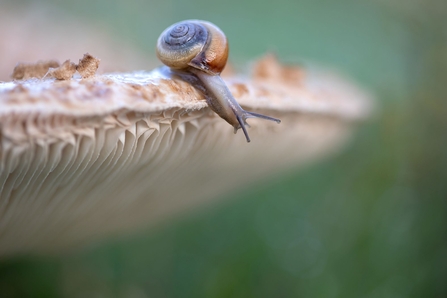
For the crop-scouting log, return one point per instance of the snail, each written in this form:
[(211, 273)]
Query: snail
[(201, 48)]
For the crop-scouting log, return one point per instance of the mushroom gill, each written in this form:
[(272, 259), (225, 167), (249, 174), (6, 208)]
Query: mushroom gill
[(83, 159)]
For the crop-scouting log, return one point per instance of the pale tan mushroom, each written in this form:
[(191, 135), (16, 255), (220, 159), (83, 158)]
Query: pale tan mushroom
[(83, 159)]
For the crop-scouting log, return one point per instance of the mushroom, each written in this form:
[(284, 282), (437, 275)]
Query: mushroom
[(85, 159)]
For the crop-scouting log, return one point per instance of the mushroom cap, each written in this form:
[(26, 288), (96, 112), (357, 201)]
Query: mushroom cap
[(83, 159)]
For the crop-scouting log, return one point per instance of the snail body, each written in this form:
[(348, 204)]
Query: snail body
[(201, 48)]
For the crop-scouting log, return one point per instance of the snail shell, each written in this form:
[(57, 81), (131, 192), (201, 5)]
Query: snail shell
[(200, 48), (193, 43)]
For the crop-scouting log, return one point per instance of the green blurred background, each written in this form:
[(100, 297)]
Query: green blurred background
[(369, 222)]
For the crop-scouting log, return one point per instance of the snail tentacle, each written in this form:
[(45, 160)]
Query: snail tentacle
[(225, 105), (256, 115)]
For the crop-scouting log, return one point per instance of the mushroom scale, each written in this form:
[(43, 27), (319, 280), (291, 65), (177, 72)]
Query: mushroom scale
[(81, 160)]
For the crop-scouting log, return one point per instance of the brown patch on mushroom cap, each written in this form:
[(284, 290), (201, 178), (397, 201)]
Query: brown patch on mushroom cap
[(34, 36), (268, 67), (84, 159), (63, 72), (87, 66), (24, 71)]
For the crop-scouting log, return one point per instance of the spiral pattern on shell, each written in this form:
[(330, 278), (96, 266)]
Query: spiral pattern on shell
[(193, 43), (184, 34)]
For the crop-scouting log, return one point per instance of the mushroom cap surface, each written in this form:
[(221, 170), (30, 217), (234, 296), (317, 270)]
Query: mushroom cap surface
[(85, 159)]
